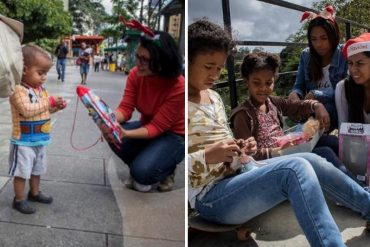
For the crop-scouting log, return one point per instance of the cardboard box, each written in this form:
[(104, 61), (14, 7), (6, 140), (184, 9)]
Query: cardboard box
[(303, 147), (354, 149)]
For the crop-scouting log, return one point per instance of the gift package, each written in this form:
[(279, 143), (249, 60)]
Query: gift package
[(300, 138), (300, 145), (354, 149)]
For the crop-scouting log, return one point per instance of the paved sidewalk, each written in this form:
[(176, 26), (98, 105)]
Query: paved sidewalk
[(91, 206), (279, 228)]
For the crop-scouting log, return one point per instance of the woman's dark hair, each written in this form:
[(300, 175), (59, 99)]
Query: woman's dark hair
[(165, 58), (332, 30), (256, 61), (355, 95), (205, 36)]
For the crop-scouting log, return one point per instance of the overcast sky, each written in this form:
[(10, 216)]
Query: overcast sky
[(252, 19), (107, 5)]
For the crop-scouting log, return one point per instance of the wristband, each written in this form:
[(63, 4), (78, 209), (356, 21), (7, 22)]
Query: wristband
[(314, 105)]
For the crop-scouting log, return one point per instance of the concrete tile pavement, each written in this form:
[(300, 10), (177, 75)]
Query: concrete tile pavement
[(151, 219), (88, 209), (279, 228)]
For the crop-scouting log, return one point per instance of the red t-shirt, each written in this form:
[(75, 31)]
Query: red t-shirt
[(161, 102)]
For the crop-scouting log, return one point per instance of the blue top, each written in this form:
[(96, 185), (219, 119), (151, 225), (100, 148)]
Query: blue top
[(337, 72)]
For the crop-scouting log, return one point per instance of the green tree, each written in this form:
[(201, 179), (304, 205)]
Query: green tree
[(88, 15), (42, 19), (355, 10), (125, 8)]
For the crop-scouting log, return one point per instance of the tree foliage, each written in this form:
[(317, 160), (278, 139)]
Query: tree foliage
[(147, 12), (89, 16), (354, 10), (42, 19), (125, 8)]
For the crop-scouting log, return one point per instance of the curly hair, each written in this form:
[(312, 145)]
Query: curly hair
[(332, 30), (256, 61), (165, 58), (205, 36)]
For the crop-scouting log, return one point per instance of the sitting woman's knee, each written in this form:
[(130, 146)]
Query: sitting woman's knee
[(299, 165)]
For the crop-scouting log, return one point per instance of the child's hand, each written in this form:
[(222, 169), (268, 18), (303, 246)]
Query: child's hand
[(222, 151), (60, 103), (322, 115), (250, 146)]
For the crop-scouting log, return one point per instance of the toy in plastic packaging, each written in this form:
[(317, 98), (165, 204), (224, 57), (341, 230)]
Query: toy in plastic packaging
[(99, 111)]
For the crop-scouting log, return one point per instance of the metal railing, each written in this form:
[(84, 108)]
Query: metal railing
[(232, 82)]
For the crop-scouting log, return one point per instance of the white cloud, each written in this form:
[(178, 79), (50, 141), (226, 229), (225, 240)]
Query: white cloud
[(251, 19)]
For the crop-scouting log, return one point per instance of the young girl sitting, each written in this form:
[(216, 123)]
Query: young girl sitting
[(261, 114)]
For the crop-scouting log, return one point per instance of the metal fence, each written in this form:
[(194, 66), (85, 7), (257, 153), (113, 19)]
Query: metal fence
[(231, 81)]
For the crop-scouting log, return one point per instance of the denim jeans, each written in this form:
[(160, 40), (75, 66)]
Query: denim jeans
[(327, 147), (151, 160), (61, 67), (301, 178)]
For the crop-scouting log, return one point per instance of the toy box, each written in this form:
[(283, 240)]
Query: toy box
[(99, 110), (354, 149)]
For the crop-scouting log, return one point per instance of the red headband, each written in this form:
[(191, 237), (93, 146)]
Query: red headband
[(137, 25), (328, 13)]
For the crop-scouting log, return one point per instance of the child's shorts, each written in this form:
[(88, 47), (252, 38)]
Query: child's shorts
[(26, 161)]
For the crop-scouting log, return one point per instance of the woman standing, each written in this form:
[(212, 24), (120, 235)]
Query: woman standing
[(84, 57)]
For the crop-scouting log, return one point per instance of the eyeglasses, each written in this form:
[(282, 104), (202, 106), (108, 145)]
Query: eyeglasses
[(142, 60)]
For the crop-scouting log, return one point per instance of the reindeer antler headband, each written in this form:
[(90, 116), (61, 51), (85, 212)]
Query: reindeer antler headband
[(328, 13), (134, 24)]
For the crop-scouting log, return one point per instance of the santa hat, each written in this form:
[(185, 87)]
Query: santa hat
[(328, 13), (357, 45)]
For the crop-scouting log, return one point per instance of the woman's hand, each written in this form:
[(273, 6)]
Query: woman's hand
[(322, 115), (108, 135), (222, 151), (293, 96), (310, 95), (250, 146)]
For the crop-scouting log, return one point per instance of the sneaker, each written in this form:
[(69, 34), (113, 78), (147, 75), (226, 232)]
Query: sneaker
[(167, 183), (129, 182), (40, 197), (23, 206), (141, 187), (58, 77)]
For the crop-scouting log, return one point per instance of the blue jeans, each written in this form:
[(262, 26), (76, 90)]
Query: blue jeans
[(301, 178), (327, 147), (61, 67), (151, 160)]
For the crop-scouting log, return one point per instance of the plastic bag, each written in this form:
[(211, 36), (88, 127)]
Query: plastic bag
[(11, 59), (78, 61)]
